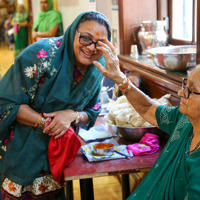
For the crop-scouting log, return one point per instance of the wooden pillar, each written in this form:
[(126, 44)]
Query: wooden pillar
[(26, 4), (55, 4), (15, 3)]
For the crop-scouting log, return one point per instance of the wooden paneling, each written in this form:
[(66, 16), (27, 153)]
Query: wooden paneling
[(133, 13), (55, 4), (10, 7)]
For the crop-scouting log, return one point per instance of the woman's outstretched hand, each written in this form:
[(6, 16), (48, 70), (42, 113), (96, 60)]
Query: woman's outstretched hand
[(112, 70)]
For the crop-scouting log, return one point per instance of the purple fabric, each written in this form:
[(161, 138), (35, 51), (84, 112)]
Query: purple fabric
[(148, 144)]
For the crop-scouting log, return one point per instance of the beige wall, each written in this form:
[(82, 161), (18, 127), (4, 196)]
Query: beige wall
[(111, 12), (69, 9), (72, 8)]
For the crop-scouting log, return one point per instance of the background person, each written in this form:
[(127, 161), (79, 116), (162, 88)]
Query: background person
[(48, 23), (8, 31), (175, 174), (20, 24), (54, 77)]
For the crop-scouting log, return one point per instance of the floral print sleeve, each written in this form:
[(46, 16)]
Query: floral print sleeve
[(21, 82), (44, 64)]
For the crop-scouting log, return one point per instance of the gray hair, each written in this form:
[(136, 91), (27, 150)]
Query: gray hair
[(198, 66), (99, 18), (191, 69)]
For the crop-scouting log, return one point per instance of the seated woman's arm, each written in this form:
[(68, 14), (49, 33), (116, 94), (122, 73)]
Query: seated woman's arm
[(143, 104), (23, 24), (51, 33)]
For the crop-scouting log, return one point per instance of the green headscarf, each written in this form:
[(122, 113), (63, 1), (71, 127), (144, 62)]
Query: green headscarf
[(42, 77), (21, 17), (44, 21)]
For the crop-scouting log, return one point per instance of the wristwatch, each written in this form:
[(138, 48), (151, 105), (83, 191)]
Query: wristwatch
[(37, 34)]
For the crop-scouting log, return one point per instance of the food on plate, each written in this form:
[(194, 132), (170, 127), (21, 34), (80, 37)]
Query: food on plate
[(103, 145), (103, 149)]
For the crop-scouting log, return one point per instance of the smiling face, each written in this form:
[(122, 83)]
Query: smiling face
[(44, 5), (85, 55), (191, 106)]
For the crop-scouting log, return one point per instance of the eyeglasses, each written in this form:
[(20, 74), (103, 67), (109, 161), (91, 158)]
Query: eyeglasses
[(186, 90), (85, 40)]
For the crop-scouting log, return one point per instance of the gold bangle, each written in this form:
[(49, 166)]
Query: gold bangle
[(116, 90), (77, 117), (38, 120), (37, 34)]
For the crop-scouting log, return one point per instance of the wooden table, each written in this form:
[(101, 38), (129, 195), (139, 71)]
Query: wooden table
[(83, 170)]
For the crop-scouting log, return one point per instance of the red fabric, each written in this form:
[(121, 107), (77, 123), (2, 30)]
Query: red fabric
[(61, 152)]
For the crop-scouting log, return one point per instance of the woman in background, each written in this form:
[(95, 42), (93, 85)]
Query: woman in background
[(8, 31), (20, 24), (48, 23)]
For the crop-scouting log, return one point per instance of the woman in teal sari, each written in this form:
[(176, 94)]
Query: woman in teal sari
[(175, 175), (48, 23), (20, 23), (54, 77)]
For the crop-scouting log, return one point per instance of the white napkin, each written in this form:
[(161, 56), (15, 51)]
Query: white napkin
[(96, 133)]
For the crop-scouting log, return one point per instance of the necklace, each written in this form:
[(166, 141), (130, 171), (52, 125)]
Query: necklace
[(195, 148)]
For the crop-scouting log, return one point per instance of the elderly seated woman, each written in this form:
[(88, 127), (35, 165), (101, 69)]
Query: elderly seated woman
[(175, 174)]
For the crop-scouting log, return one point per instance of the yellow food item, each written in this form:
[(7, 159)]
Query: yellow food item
[(103, 145)]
